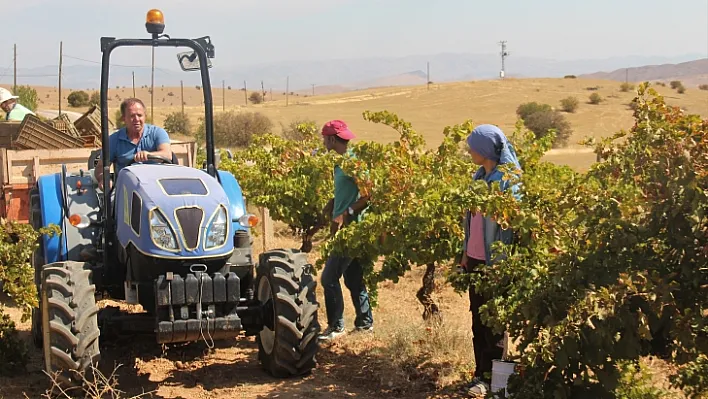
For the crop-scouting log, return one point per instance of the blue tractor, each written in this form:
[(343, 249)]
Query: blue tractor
[(172, 238)]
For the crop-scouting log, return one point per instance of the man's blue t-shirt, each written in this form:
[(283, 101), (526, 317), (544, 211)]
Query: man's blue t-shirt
[(122, 150)]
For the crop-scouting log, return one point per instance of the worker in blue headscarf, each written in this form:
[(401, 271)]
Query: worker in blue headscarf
[(489, 148)]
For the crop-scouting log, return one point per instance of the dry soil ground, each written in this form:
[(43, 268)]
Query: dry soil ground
[(404, 357)]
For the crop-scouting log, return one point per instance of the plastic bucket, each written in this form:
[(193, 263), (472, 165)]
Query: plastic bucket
[(501, 371)]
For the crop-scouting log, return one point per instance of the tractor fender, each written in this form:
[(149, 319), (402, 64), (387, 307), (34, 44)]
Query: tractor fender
[(50, 197), (236, 201)]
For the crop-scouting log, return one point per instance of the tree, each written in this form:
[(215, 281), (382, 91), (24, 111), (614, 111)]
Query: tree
[(95, 98), (233, 129), (177, 122), (78, 99), (28, 97)]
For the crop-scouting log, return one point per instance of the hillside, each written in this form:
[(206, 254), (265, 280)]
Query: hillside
[(692, 73), (354, 73), (490, 101)]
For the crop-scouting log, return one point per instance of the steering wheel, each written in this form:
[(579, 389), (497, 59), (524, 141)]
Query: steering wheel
[(160, 158)]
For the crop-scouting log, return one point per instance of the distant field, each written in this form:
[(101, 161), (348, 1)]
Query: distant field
[(490, 101)]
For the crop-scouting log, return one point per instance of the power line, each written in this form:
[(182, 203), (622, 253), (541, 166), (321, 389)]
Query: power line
[(117, 65)]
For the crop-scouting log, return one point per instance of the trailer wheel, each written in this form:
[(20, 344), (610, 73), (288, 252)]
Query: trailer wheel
[(69, 322), (287, 344)]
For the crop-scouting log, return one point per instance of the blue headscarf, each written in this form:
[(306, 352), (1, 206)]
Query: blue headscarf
[(490, 142)]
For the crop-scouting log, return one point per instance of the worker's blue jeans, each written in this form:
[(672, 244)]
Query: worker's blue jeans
[(351, 269)]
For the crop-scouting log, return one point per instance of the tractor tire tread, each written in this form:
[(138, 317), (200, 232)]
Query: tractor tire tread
[(296, 324), (71, 314)]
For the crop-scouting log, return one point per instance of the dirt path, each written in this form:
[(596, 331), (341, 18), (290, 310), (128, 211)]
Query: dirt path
[(230, 370)]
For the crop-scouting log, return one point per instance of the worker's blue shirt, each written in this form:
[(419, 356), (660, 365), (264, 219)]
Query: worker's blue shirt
[(122, 150)]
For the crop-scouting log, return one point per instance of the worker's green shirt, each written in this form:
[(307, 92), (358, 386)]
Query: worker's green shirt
[(346, 191), (18, 113)]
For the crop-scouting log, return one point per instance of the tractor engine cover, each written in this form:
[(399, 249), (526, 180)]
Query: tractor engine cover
[(173, 212)]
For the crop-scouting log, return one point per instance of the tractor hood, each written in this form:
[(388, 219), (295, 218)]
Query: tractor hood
[(172, 211)]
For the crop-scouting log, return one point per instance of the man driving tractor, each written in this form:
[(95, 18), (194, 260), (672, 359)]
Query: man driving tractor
[(136, 141)]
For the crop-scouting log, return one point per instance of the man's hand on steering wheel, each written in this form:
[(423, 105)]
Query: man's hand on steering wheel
[(143, 156)]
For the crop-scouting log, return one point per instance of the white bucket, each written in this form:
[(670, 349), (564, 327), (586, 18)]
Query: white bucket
[(501, 371)]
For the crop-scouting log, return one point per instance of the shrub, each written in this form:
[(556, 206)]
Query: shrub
[(78, 99), (675, 84), (595, 98), (198, 87), (95, 98), (541, 122), (256, 97), (569, 77), (526, 109), (297, 128), (28, 97), (13, 350), (662, 84), (625, 87), (177, 122), (232, 129), (680, 89), (569, 104), (703, 87)]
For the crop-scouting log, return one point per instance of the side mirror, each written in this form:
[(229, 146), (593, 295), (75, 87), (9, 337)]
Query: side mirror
[(190, 62)]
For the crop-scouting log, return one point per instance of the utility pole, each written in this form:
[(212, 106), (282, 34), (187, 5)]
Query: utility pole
[(181, 89), (504, 54), (263, 91), (626, 75), (245, 92), (223, 95), (428, 82), (61, 57), (287, 90), (313, 89), (133, 84), (14, 85), (152, 88), (271, 94)]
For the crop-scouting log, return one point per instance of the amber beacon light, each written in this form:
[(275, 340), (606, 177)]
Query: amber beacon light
[(155, 22)]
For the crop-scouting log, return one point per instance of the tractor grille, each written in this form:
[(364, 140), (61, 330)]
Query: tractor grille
[(190, 219)]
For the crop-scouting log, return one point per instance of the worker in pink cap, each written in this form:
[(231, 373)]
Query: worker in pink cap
[(346, 207)]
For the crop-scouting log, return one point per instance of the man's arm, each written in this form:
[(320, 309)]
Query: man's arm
[(164, 149)]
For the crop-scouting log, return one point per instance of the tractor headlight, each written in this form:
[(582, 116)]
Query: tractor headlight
[(161, 232), (216, 231)]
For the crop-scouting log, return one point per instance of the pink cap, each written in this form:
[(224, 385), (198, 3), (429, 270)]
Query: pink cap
[(337, 128)]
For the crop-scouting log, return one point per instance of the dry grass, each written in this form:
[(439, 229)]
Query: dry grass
[(488, 101), (95, 386)]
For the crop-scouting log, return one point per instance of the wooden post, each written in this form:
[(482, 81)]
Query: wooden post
[(61, 49), (14, 85), (181, 88), (266, 228), (245, 92), (133, 84)]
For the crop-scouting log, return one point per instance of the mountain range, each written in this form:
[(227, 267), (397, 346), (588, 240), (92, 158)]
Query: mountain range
[(350, 74)]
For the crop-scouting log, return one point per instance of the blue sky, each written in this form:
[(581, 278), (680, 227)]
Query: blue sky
[(259, 31)]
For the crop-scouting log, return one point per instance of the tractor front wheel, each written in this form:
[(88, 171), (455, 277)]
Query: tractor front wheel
[(287, 344), (69, 322)]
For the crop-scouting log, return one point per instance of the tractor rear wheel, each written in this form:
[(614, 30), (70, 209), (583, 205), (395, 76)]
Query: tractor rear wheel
[(287, 345), (69, 322)]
